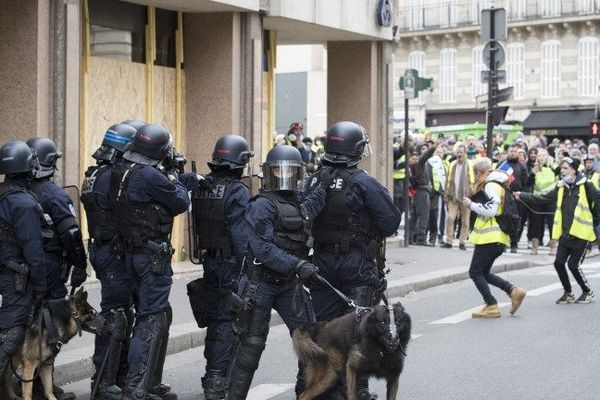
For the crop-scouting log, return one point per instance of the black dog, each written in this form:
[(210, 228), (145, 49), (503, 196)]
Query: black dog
[(369, 342)]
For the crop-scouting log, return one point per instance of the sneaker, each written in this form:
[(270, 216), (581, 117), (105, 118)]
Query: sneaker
[(446, 246), (517, 295), (488, 311), (566, 298), (585, 298), (462, 246)]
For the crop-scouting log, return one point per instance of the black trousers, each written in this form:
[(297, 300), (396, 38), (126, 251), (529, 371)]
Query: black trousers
[(570, 252), (516, 236)]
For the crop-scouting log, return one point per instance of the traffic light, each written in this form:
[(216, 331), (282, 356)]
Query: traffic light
[(595, 127)]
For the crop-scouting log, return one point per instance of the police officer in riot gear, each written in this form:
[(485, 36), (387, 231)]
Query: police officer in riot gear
[(218, 208), (145, 198), (110, 353), (134, 123), (22, 266), (65, 248), (358, 215), (278, 232)]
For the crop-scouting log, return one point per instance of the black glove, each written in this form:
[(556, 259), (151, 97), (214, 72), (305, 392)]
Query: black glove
[(306, 271), (78, 276), (326, 177), (204, 183)]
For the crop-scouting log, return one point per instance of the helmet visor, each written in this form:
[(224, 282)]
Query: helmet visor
[(282, 175)]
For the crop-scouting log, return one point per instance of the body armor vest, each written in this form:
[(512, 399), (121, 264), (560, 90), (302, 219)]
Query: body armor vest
[(211, 232), (290, 230), (341, 224), (52, 242), (101, 224), (137, 223), (8, 236)]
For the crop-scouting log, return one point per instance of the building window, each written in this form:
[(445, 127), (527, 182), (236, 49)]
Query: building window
[(479, 5), (448, 76), (515, 67), (550, 8), (416, 14), (588, 66), (447, 13), (476, 67), (416, 60), (551, 69), (516, 9), (587, 6)]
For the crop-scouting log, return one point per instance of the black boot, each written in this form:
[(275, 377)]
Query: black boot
[(108, 392), (363, 394), (215, 385), (163, 391)]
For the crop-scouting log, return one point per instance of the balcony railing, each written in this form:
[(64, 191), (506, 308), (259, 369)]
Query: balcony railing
[(440, 14)]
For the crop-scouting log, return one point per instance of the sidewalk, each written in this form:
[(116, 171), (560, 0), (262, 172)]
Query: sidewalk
[(412, 269)]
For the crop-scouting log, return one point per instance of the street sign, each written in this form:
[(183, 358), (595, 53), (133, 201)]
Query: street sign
[(500, 96), (410, 84), (500, 76), (497, 48), (595, 127), (497, 18), (504, 94)]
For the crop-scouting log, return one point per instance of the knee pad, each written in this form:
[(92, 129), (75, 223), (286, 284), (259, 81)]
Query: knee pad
[(258, 325), (11, 339), (250, 351), (117, 324)]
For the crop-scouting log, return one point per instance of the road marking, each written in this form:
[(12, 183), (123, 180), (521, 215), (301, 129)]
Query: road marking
[(416, 336), (461, 316), (268, 390), (465, 315)]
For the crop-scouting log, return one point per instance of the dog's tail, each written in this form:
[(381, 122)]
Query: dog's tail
[(306, 348)]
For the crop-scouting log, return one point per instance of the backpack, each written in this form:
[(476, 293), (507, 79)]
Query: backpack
[(510, 220)]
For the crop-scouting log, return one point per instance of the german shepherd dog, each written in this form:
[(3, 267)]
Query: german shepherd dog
[(368, 342), (68, 317)]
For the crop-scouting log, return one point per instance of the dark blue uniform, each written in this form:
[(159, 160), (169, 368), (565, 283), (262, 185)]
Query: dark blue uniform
[(20, 214), (58, 206), (219, 213), (349, 264), (145, 202), (270, 280), (116, 285)]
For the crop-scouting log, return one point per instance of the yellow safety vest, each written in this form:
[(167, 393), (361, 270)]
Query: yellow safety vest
[(400, 173), (471, 171), (583, 225), (437, 185), (486, 229), (596, 180), (545, 181)]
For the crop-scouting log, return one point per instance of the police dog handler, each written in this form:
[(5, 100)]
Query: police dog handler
[(489, 239), (573, 225)]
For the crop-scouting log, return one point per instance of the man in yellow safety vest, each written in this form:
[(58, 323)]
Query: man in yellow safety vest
[(573, 225)]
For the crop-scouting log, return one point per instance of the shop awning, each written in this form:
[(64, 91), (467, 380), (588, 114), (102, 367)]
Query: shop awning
[(559, 122)]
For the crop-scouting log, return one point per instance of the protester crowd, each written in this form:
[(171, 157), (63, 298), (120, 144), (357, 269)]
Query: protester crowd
[(443, 171)]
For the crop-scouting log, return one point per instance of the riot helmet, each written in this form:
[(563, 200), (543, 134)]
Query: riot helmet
[(231, 152), (116, 141), (134, 123), (150, 145), (346, 144), (47, 155), (283, 169), (16, 157)]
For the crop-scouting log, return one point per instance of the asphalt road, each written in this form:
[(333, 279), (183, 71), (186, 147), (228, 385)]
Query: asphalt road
[(546, 351)]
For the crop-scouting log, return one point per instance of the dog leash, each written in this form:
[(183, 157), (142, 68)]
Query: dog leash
[(341, 295)]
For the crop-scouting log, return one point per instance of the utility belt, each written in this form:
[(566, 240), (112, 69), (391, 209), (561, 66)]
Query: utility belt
[(160, 252), (346, 246), (21, 274), (260, 273), (217, 253)]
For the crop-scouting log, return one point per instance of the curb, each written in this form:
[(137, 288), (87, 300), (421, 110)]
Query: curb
[(77, 369)]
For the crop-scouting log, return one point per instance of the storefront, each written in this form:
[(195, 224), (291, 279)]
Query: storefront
[(562, 123)]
